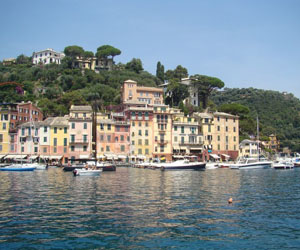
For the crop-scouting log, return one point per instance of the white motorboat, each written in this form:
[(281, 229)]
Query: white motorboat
[(87, 172), (18, 167), (182, 165), (251, 163), (211, 165), (283, 165)]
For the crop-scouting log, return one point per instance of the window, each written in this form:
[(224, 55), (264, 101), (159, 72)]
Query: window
[(132, 143), (218, 128), (55, 141), (209, 128), (65, 149), (140, 132), (162, 148), (84, 148), (116, 139), (226, 128), (226, 138), (45, 129), (118, 128), (65, 141), (107, 148), (122, 137), (146, 151), (23, 131), (146, 132), (133, 124), (12, 148), (175, 128), (140, 124), (55, 150), (146, 124), (218, 146), (72, 148), (182, 139), (182, 129), (85, 125), (175, 139), (234, 129), (55, 130), (45, 150), (140, 141), (122, 148), (72, 138), (140, 151), (101, 126), (73, 125), (22, 149), (108, 138), (45, 139), (219, 138), (146, 142), (85, 138), (101, 137), (234, 138), (65, 130), (4, 126), (108, 126)]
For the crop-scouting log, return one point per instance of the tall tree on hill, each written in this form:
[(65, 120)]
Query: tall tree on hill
[(103, 52), (135, 65), (204, 86), (178, 73), (177, 92), (74, 51), (160, 71)]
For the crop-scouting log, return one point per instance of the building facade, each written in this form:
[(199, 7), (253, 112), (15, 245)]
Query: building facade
[(47, 56)]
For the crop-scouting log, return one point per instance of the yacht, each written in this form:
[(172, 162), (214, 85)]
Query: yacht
[(251, 163)]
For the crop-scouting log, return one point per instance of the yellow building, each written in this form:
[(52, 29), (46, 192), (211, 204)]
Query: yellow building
[(162, 132), (187, 138), (273, 144), (4, 133), (59, 141), (141, 132)]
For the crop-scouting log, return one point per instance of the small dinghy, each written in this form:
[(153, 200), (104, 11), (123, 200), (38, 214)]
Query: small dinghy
[(87, 172)]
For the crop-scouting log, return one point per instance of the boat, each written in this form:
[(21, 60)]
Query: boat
[(182, 165), (18, 167), (87, 172), (211, 165), (251, 163), (283, 165), (80, 164)]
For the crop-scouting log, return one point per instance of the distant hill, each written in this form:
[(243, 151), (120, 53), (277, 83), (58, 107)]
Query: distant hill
[(278, 113)]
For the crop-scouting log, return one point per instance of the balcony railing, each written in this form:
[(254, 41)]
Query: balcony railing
[(162, 142)]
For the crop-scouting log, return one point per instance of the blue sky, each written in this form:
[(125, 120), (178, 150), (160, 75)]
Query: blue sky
[(246, 43)]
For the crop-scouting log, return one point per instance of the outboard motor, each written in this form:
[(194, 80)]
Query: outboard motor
[(74, 172)]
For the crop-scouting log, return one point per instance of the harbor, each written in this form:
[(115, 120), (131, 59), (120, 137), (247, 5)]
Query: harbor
[(141, 208)]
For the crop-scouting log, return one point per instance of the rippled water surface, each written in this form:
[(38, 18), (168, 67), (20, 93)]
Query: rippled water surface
[(147, 209)]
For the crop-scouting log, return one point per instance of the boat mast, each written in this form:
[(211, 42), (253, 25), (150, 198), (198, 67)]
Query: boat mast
[(257, 125)]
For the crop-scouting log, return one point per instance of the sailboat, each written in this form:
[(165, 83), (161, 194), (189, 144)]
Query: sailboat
[(253, 163)]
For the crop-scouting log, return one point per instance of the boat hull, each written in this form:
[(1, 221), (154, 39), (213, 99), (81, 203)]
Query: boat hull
[(188, 166), (12, 169), (84, 172), (259, 165), (104, 168)]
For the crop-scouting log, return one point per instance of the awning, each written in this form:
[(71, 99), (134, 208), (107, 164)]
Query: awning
[(178, 156), (214, 156), (111, 157), (100, 157), (122, 156), (1, 156), (141, 157), (83, 156), (53, 157), (226, 156), (33, 157), (15, 156)]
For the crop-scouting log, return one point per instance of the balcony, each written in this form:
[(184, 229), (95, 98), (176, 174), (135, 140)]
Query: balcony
[(162, 121), (191, 143), (161, 142), (79, 141)]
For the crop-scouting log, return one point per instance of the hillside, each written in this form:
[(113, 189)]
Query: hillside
[(278, 113)]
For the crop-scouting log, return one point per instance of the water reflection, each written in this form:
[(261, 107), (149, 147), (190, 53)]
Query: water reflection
[(141, 208)]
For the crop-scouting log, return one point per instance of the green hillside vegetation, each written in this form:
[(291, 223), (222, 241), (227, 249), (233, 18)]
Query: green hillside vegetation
[(54, 88), (278, 113)]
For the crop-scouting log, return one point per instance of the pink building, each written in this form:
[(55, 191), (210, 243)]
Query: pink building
[(80, 132)]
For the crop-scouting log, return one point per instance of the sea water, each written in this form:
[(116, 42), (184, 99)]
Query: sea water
[(150, 209)]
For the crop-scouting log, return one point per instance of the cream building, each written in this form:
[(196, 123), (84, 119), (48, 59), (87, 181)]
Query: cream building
[(47, 56), (186, 135)]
